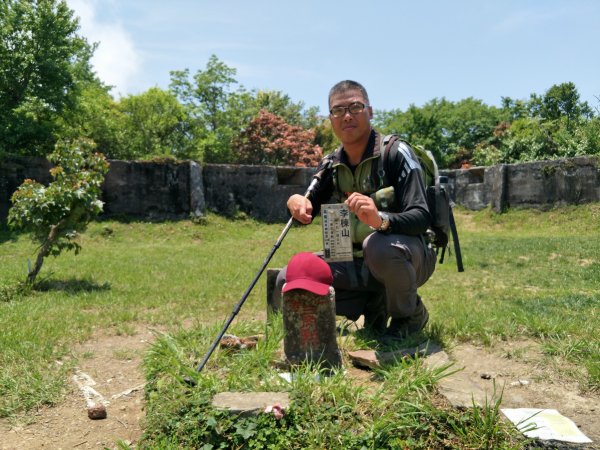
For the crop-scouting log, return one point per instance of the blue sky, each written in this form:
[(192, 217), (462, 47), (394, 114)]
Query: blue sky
[(404, 52)]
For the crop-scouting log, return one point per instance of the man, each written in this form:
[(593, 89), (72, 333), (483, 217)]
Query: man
[(392, 257)]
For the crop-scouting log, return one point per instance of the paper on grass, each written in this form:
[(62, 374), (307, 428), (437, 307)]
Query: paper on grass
[(549, 424)]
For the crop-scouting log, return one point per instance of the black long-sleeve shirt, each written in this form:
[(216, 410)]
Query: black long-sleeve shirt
[(409, 213)]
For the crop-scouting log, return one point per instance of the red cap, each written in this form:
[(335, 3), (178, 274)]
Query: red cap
[(309, 272)]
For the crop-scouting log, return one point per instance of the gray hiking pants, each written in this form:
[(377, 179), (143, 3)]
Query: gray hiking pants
[(388, 275)]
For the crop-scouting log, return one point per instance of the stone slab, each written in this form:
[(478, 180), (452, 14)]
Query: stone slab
[(250, 403), (375, 359), (458, 387)]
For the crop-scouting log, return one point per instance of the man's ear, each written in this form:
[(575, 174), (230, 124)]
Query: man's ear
[(370, 112)]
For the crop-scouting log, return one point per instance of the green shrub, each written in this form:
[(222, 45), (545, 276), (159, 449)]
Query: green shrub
[(54, 215)]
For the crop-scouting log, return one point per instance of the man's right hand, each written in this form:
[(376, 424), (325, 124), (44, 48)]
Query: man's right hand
[(301, 208)]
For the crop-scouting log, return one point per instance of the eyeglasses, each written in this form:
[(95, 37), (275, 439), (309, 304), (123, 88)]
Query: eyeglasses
[(352, 108)]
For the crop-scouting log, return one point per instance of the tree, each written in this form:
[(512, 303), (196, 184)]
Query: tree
[(417, 125), (561, 100), (324, 136), (280, 104), (450, 130), (514, 109), (97, 116), (205, 99), (54, 215), (554, 125), (466, 124), (156, 124), (42, 59), (269, 140), (218, 113)]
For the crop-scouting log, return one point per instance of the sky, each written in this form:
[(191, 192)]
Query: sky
[(403, 52)]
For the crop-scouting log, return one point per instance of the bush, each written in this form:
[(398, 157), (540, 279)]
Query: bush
[(55, 214), (270, 140)]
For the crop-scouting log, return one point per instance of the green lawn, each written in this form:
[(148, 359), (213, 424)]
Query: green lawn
[(529, 274)]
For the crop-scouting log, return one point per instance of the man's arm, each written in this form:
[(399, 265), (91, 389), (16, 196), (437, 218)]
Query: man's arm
[(365, 209), (405, 174), (411, 214), (302, 208)]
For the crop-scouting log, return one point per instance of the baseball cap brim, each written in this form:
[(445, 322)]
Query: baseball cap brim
[(306, 284)]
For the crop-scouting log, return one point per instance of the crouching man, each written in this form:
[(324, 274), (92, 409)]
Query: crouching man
[(391, 255)]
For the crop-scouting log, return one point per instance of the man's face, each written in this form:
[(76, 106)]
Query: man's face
[(350, 128)]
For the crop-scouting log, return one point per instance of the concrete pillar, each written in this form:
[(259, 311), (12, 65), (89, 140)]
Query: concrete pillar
[(496, 181), (273, 294)]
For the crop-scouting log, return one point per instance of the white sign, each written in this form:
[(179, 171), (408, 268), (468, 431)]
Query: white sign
[(545, 424), (337, 236)]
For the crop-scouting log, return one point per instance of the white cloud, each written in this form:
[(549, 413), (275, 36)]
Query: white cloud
[(116, 60)]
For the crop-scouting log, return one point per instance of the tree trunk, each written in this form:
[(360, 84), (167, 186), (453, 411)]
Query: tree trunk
[(44, 250)]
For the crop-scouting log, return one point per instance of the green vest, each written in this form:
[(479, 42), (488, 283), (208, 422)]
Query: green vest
[(360, 181)]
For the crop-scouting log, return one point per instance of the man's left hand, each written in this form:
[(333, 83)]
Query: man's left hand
[(365, 209)]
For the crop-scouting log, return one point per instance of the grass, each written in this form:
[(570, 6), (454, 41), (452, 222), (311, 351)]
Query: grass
[(127, 274), (327, 411), (529, 275)]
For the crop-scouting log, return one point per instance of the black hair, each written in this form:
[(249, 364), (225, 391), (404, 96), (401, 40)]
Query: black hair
[(347, 85)]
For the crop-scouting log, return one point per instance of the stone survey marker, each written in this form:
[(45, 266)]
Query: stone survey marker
[(309, 312), (309, 325)]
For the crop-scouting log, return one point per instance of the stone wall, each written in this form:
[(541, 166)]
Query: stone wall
[(152, 190), (541, 184), (258, 191), (13, 171), (166, 190)]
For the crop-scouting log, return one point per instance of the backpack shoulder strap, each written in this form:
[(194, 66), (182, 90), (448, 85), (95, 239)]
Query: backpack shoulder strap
[(334, 168), (385, 144)]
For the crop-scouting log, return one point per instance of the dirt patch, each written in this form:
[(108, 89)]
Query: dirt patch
[(115, 364), (526, 380)]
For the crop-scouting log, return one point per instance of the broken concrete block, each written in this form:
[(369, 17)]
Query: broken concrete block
[(251, 403)]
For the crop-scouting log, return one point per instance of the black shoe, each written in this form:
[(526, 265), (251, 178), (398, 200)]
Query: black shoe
[(401, 328), (376, 322), (376, 318)]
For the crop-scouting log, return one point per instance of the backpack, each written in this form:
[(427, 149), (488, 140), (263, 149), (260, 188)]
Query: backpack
[(438, 198)]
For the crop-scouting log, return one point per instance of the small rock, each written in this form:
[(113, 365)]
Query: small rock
[(486, 376), (97, 412), (519, 383)]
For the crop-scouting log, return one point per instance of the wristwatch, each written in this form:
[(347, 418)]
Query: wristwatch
[(385, 222)]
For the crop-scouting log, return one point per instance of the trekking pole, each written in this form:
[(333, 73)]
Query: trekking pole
[(316, 178)]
